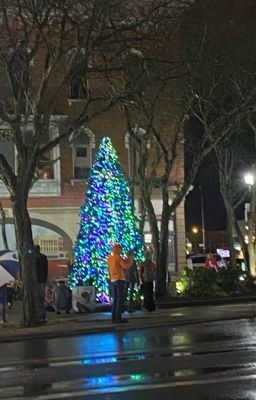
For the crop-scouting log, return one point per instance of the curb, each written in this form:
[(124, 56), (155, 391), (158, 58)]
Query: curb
[(66, 328), (206, 302), (131, 325)]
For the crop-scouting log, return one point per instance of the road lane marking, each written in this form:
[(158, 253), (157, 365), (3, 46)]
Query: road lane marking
[(112, 390)]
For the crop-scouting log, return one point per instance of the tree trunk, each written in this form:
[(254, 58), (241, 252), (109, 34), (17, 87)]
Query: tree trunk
[(161, 288), (251, 251), (4, 236), (160, 242), (230, 226), (161, 291), (244, 247), (252, 232), (26, 256)]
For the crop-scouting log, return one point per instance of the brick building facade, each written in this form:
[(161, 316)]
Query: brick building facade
[(55, 199)]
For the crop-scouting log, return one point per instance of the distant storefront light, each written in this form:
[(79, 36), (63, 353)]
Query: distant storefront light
[(225, 253), (148, 237)]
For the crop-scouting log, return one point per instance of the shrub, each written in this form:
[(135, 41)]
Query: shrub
[(198, 282), (202, 282)]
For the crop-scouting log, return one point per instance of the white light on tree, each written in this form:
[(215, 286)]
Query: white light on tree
[(249, 179)]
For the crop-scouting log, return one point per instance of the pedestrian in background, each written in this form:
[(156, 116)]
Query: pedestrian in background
[(62, 297), (211, 262), (132, 279), (117, 265), (147, 277), (10, 293), (41, 263)]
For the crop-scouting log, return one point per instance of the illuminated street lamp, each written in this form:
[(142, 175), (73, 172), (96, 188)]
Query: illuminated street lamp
[(198, 234), (249, 179), (195, 229)]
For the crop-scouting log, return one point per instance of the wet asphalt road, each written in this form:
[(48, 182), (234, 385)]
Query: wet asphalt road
[(201, 362)]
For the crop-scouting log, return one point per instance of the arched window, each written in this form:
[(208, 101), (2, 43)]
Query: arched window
[(79, 84), (82, 142), (131, 143)]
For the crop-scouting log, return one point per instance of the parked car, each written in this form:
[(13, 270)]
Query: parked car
[(198, 260), (240, 263)]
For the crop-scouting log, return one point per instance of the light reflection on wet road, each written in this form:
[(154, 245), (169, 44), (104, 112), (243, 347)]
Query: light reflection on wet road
[(203, 361)]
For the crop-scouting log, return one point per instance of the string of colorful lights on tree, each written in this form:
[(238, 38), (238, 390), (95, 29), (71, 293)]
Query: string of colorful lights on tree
[(107, 217)]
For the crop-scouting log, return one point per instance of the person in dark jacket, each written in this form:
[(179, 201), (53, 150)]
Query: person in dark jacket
[(41, 275), (62, 297), (147, 277), (132, 279)]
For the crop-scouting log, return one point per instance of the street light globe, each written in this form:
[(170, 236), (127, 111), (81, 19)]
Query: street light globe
[(249, 179), (195, 229)]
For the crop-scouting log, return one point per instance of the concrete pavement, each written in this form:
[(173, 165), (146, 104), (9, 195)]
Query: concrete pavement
[(78, 324)]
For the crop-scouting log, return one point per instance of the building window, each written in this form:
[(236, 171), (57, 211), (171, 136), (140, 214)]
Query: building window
[(8, 150), (82, 142), (46, 182), (78, 88), (51, 245), (45, 169), (45, 166), (133, 150), (79, 85), (81, 161)]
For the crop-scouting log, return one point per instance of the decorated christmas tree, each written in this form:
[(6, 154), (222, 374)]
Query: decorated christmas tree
[(107, 217)]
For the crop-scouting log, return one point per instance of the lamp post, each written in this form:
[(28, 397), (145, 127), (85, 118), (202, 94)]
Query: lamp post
[(202, 217), (194, 238)]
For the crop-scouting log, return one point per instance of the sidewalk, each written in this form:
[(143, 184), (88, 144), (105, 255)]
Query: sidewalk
[(178, 313)]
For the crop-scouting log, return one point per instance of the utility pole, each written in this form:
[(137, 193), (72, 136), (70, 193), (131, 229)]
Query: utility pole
[(202, 217)]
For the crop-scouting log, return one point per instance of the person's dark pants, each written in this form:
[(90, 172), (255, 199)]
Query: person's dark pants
[(69, 302), (129, 291), (148, 292), (10, 295), (40, 302), (118, 294)]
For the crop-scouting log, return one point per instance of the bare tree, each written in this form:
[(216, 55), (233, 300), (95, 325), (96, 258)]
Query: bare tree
[(212, 104), (86, 39), (223, 85), (229, 158), (160, 170), (216, 90)]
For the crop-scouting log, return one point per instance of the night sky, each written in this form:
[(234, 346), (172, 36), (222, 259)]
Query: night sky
[(214, 210)]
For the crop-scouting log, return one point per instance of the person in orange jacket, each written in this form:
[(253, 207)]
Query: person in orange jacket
[(117, 265)]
